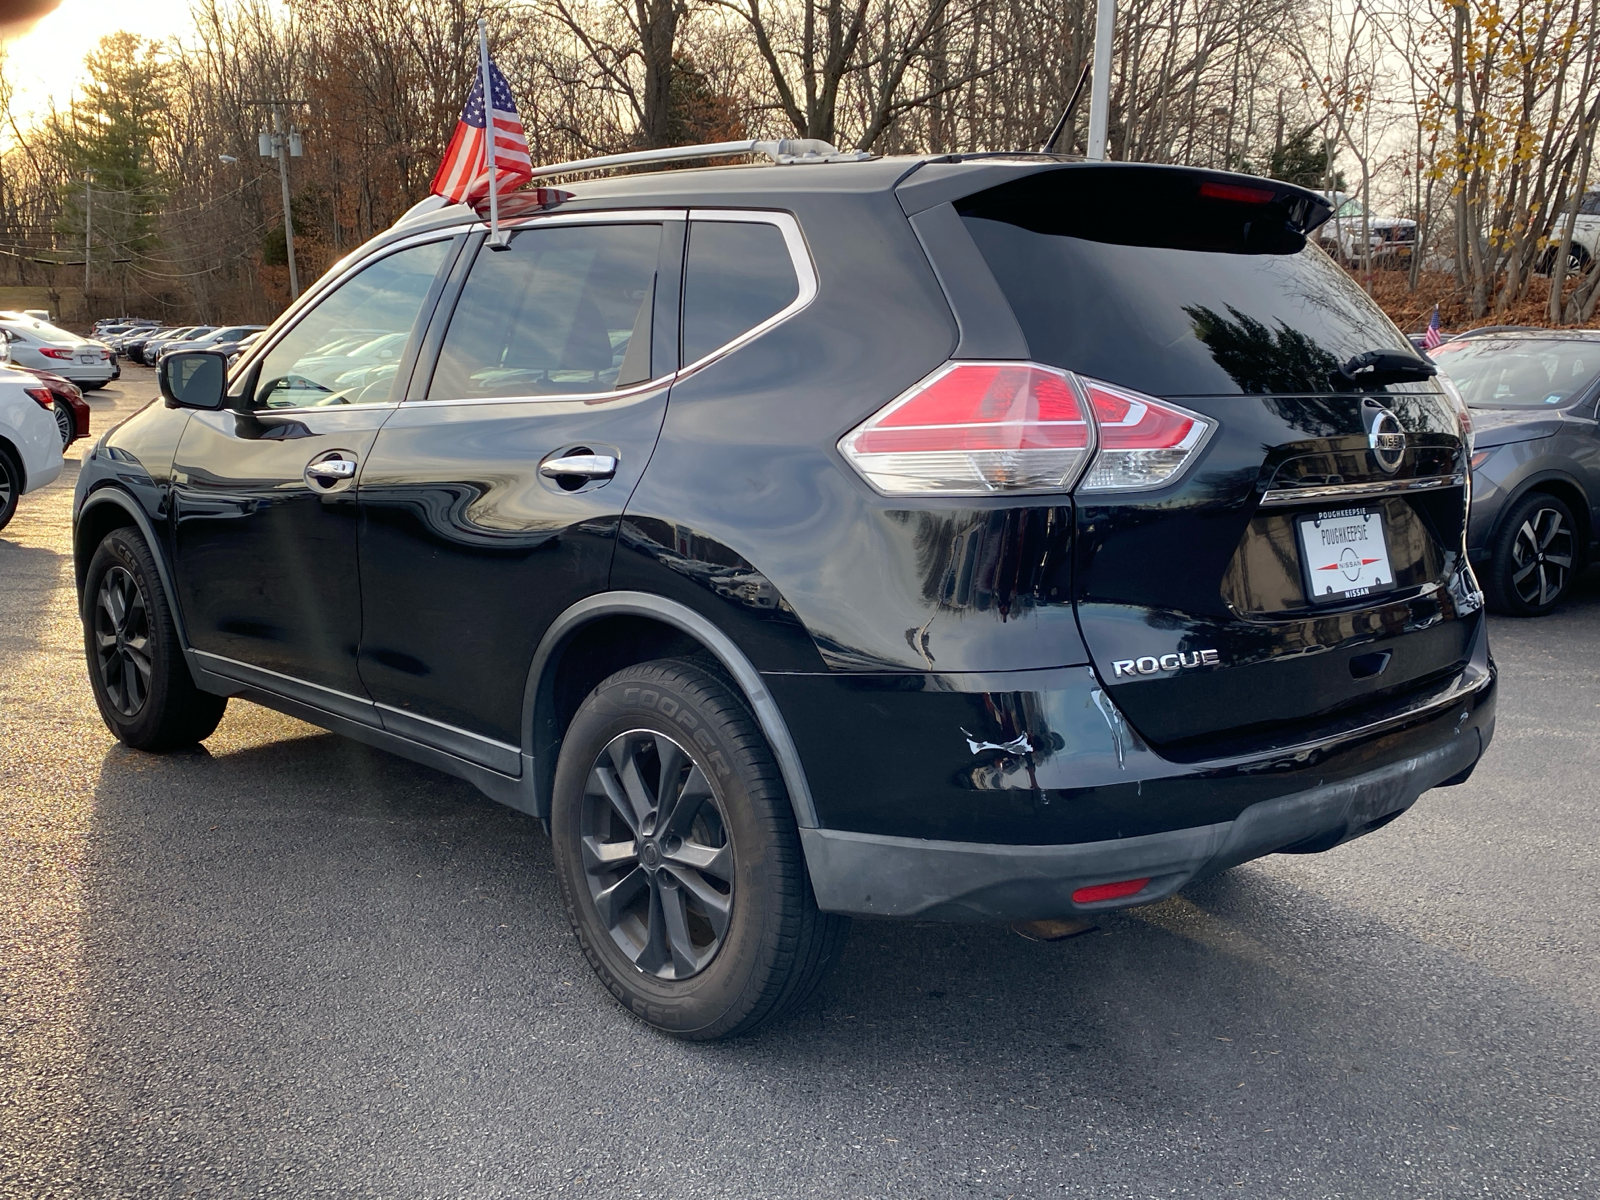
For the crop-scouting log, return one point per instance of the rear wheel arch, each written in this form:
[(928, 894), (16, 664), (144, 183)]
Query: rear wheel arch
[(603, 634)]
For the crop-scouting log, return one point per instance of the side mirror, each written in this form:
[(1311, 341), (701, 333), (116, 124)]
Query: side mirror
[(193, 379)]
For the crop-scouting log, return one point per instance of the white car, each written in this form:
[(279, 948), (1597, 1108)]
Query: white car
[(30, 443), (1585, 236), (35, 343), (1391, 239)]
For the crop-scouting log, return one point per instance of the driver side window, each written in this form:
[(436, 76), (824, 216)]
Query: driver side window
[(347, 350)]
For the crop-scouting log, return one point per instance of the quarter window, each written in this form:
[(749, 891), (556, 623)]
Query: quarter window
[(737, 274), (347, 350), (565, 310)]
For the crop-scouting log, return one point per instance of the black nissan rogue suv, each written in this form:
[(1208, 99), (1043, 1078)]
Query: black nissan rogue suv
[(964, 538)]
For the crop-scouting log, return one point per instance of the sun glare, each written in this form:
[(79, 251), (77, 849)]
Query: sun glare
[(44, 64)]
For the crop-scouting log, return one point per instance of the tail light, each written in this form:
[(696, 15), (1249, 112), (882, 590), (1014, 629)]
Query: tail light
[(978, 429), (42, 397), (972, 429), (52, 352), (1143, 442)]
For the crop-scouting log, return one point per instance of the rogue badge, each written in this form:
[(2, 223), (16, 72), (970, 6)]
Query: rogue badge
[(1167, 662)]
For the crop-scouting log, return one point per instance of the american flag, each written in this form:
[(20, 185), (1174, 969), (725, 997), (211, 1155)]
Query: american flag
[(464, 173), (1433, 339)]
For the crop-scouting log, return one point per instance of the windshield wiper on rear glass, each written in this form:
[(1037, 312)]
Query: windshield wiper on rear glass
[(1378, 367)]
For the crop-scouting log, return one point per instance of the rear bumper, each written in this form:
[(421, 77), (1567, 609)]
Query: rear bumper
[(875, 875), (1056, 792), (99, 372)]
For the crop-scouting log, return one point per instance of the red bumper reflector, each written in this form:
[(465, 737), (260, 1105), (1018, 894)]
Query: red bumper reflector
[(1109, 891)]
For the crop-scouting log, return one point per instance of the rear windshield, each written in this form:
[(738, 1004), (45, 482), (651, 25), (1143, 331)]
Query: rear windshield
[(1519, 372), (1114, 288)]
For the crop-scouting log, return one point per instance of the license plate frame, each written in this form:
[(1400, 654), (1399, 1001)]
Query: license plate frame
[(1344, 554)]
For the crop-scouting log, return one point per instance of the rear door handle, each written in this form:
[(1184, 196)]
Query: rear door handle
[(580, 466)]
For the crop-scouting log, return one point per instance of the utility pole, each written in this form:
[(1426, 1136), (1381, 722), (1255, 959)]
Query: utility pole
[(1100, 95), (88, 229), (282, 141)]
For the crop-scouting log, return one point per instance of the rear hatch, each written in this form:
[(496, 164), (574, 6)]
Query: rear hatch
[(1303, 568)]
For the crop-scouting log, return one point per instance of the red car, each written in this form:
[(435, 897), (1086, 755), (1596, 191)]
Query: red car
[(66, 402)]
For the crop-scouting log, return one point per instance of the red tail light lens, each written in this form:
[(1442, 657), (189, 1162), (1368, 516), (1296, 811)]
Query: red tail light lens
[(42, 397), (974, 429), (977, 429), (1144, 442), (52, 352)]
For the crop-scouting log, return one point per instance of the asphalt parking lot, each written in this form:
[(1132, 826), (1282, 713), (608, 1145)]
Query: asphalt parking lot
[(287, 965)]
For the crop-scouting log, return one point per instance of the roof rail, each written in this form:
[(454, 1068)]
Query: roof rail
[(786, 151)]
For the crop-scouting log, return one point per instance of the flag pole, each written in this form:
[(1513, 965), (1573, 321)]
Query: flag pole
[(489, 161)]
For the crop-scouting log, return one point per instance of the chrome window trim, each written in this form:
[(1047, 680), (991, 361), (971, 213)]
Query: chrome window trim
[(793, 239), (799, 256), (1275, 497), (658, 384), (308, 301), (597, 216)]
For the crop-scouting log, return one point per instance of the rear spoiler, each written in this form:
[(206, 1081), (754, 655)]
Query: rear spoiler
[(1178, 208)]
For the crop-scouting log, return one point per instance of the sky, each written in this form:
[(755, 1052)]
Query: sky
[(44, 58)]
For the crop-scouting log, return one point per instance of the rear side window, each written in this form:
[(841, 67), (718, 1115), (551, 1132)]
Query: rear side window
[(1167, 295), (1589, 206), (737, 274), (565, 311)]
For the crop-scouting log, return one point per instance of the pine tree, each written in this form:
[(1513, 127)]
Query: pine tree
[(1304, 159), (108, 140)]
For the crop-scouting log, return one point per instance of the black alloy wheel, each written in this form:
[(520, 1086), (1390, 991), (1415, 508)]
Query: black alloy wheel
[(142, 685), (656, 855), (679, 858), (122, 641), (1535, 555), (10, 488), (66, 421)]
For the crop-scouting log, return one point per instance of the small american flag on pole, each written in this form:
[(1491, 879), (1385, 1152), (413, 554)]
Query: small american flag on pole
[(464, 173), (1433, 339)]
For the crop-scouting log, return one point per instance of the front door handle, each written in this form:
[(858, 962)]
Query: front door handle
[(332, 470), (580, 466)]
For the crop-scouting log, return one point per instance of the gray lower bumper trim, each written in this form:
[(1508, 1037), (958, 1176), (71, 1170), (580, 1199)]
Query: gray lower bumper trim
[(875, 875)]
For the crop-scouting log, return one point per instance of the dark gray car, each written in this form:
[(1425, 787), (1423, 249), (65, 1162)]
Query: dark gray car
[(1536, 465)]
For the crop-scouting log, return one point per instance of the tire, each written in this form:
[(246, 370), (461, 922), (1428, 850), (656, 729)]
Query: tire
[(1577, 260), (1534, 557), (66, 422), (147, 696), (702, 923), (10, 486)]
